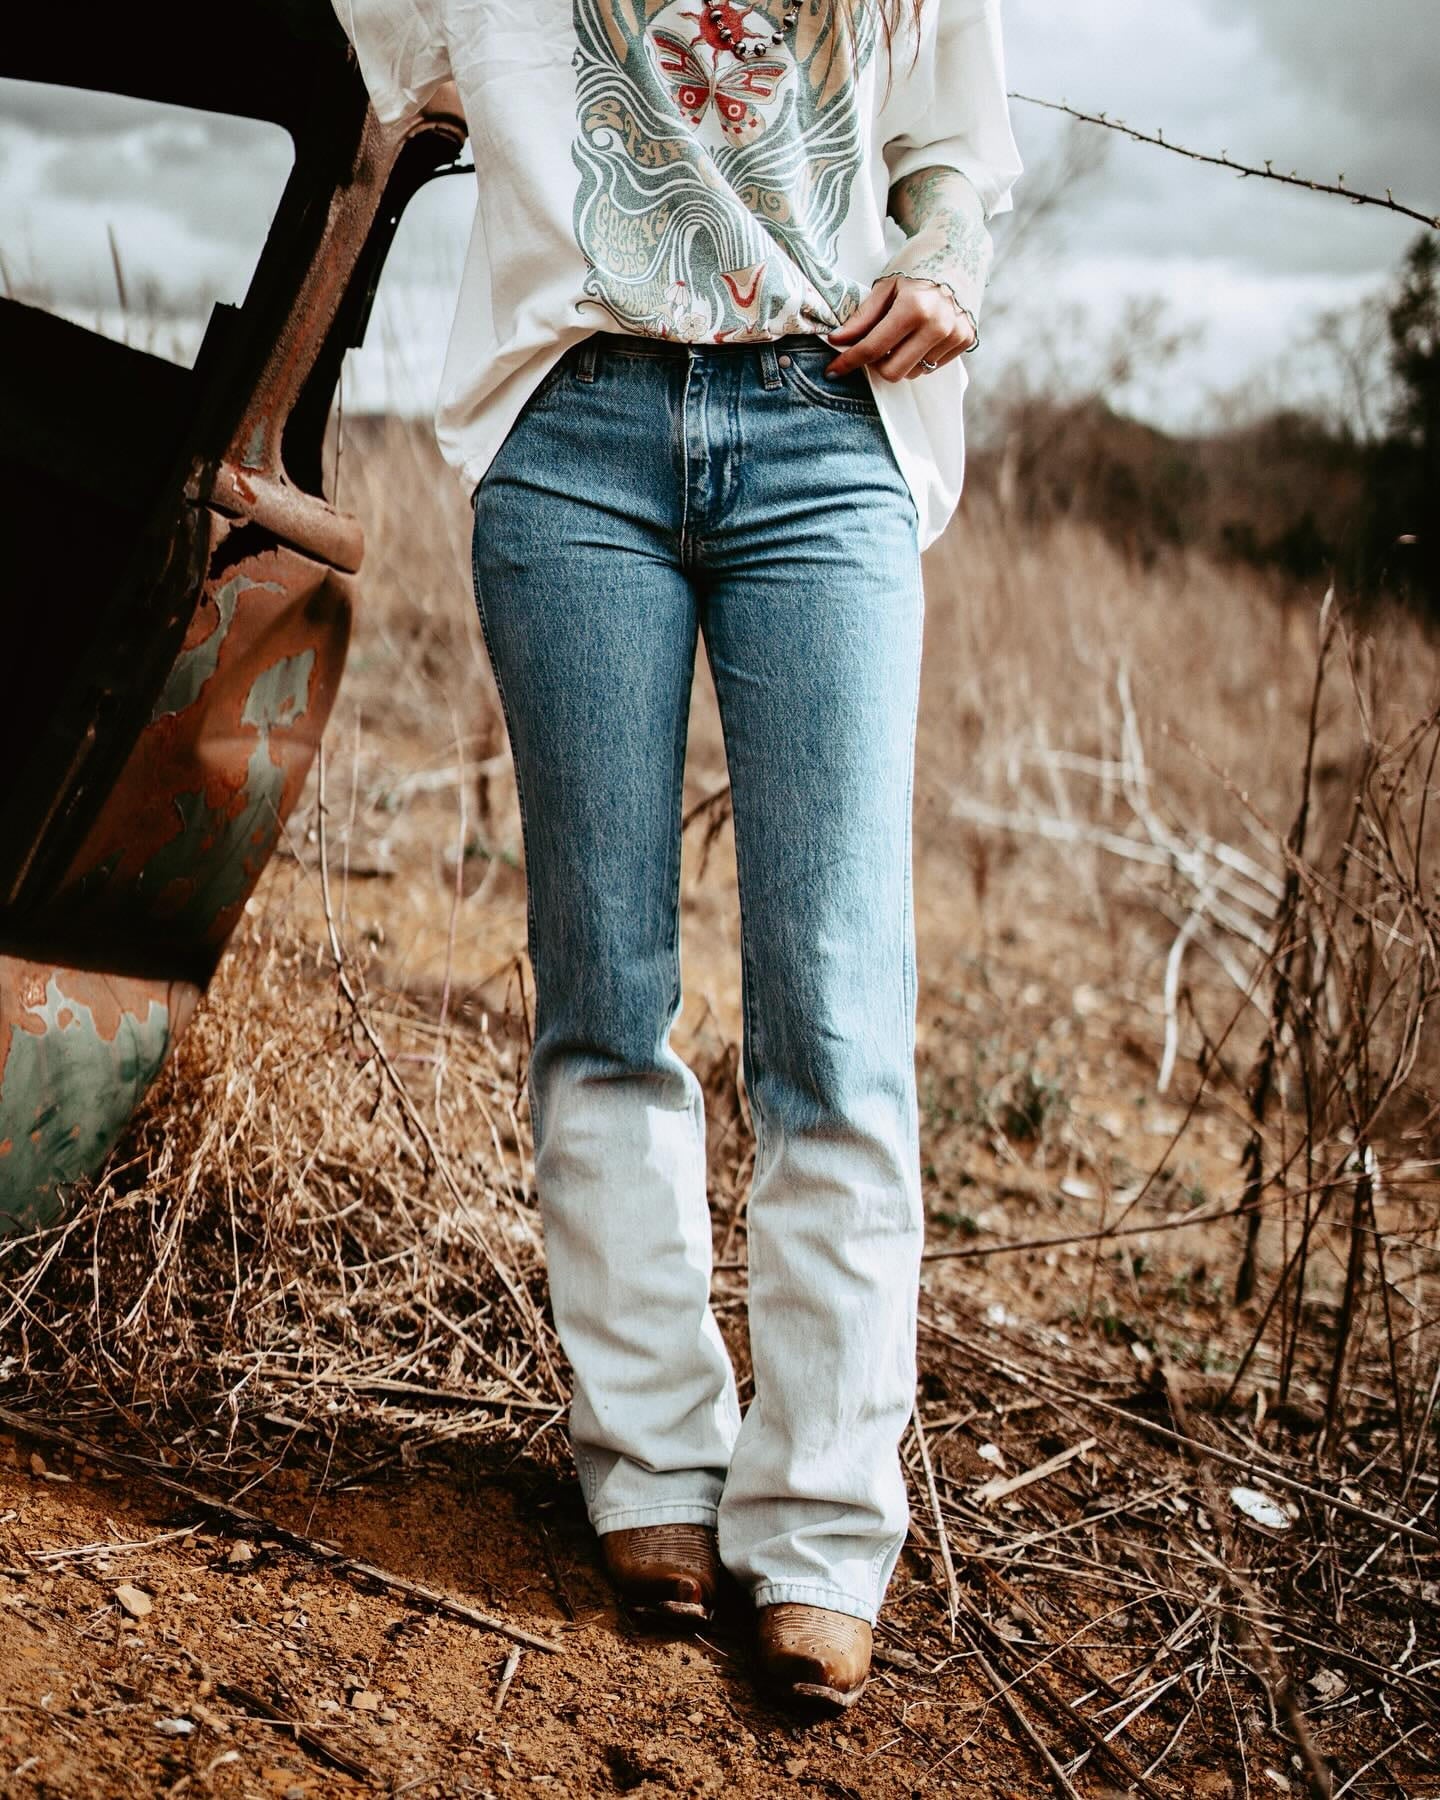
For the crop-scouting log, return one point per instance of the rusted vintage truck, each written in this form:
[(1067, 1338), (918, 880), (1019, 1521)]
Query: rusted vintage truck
[(177, 590)]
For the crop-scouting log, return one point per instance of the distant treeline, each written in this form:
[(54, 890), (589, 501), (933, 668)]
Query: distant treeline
[(1290, 491)]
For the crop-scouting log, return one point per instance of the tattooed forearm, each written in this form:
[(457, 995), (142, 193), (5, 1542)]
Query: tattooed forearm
[(944, 224)]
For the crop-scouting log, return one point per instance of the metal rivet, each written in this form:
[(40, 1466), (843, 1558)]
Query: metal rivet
[(784, 362)]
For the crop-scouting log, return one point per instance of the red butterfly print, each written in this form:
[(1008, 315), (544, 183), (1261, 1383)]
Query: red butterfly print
[(695, 88)]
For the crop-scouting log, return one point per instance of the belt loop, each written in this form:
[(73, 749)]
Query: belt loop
[(585, 369), (770, 365)]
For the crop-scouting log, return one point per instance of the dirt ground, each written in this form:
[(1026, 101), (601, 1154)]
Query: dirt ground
[(100, 1702), (96, 1700)]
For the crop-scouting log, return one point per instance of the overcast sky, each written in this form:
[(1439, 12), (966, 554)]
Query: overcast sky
[(1323, 86)]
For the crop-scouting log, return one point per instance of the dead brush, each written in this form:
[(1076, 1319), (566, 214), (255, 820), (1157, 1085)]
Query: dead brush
[(1313, 1025), (1351, 1047), (1328, 929), (288, 1258)]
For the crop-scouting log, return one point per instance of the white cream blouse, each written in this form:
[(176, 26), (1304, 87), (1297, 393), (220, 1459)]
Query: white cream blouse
[(633, 173)]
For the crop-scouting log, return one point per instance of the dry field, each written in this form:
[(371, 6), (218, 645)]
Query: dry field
[(284, 1500)]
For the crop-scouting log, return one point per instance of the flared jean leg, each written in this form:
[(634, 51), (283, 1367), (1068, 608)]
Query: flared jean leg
[(591, 629), (813, 624)]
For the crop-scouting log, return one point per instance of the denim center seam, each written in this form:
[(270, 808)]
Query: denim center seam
[(681, 418)]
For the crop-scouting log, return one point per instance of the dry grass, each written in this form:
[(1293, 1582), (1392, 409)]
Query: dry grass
[(318, 1249)]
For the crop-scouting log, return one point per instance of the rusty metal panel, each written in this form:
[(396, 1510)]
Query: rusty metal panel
[(193, 818), (165, 871)]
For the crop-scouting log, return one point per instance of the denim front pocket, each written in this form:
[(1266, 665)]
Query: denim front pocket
[(803, 373)]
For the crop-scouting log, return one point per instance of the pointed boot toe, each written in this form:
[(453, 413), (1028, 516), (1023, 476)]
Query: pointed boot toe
[(811, 1654), (669, 1569)]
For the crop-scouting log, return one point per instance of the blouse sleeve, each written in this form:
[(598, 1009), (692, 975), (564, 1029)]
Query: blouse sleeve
[(401, 49), (951, 109)]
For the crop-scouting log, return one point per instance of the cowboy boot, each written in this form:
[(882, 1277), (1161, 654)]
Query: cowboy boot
[(671, 1569), (811, 1653)]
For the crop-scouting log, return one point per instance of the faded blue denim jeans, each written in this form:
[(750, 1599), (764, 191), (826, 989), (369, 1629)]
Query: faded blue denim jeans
[(646, 496)]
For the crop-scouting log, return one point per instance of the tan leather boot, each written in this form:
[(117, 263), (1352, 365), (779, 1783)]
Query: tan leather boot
[(671, 1569), (810, 1653)]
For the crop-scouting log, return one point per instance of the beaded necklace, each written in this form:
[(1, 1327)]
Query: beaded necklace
[(738, 44)]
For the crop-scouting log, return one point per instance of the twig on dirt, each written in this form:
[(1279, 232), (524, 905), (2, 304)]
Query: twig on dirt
[(999, 1486), (1251, 1634), (1379, 1757), (1101, 1742), (303, 1734), (1004, 1693), (942, 1536), (1336, 1502), (85, 1552), (557, 1580), (389, 1388), (507, 1675), (426, 1598)]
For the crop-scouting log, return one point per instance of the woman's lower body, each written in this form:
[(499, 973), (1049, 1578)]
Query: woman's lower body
[(645, 498)]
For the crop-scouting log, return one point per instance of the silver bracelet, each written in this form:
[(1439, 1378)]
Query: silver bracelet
[(955, 301)]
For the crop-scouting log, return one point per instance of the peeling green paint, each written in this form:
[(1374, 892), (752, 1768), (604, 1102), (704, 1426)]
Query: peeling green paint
[(194, 667), (67, 1095), (216, 855), (281, 695)]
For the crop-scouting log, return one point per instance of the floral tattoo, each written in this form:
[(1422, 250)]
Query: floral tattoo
[(946, 240)]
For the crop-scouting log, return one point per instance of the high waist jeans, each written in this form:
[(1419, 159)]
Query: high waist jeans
[(646, 495)]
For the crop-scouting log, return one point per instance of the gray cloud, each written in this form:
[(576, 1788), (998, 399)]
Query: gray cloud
[(1380, 62), (80, 113), (1312, 85), (174, 168), (66, 112), (188, 197)]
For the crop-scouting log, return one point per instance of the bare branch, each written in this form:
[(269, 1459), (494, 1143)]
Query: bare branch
[(1225, 161)]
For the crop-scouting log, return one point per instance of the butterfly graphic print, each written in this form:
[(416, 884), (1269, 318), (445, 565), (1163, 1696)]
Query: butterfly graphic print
[(712, 186), (736, 92)]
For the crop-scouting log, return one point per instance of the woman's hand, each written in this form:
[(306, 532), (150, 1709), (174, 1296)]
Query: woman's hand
[(901, 322)]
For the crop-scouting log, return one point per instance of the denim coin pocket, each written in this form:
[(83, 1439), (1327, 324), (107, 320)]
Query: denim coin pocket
[(803, 373)]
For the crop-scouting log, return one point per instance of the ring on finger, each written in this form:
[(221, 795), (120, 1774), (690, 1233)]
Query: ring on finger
[(931, 367)]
